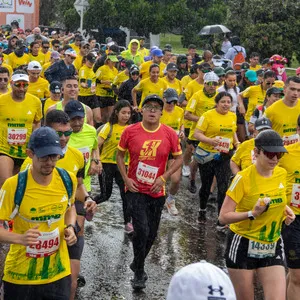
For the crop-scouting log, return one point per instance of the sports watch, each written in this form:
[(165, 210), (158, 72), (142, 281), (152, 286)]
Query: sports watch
[(250, 215)]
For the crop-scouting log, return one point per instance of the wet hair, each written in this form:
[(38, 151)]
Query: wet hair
[(269, 74), (292, 78), (118, 106), (221, 95), (226, 76), (56, 116), (45, 42), (4, 70), (91, 39), (254, 54), (69, 78), (153, 66), (166, 50), (55, 42), (32, 44)]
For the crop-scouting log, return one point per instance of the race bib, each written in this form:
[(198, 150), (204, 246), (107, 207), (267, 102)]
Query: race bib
[(16, 136), (260, 250), (224, 144), (295, 199), (48, 244), (86, 153), (253, 157), (146, 174), (292, 139)]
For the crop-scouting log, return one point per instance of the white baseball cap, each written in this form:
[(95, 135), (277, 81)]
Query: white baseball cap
[(211, 77), (201, 281), (19, 77), (34, 65)]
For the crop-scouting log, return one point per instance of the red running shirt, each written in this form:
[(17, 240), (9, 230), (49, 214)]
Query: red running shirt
[(149, 152)]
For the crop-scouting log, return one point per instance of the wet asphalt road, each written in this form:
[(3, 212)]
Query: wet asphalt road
[(181, 240)]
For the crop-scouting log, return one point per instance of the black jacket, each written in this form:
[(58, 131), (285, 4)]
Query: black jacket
[(59, 71)]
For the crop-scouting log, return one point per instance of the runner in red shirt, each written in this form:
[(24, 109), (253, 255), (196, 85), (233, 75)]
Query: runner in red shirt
[(149, 144)]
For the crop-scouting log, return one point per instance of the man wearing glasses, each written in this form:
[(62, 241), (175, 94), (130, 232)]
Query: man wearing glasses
[(20, 114), (45, 50), (149, 144), (38, 261), (63, 68)]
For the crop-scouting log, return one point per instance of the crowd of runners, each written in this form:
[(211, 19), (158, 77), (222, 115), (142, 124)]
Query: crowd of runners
[(144, 118)]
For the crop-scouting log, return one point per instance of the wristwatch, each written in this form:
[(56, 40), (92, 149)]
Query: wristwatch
[(250, 215), (74, 227), (95, 160)]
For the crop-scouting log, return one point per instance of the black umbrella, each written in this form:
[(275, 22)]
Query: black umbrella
[(213, 29)]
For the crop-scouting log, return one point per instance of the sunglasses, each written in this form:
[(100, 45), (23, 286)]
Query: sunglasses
[(135, 73), (46, 47), (270, 83), (21, 84), (271, 155), (212, 83), (4, 79), (55, 46), (86, 47), (72, 57), (65, 133), (52, 157)]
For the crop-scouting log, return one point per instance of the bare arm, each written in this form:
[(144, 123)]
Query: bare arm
[(241, 106), (189, 116), (89, 116), (199, 135), (133, 95)]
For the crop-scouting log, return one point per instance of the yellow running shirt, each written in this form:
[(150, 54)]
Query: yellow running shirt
[(284, 120), (176, 85), (256, 96), (147, 87), (145, 69), (198, 104), (192, 88), (121, 77), (109, 149), (78, 63), (244, 155), (105, 73), (16, 120), (185, 81), (213, 124), (246, 188), (291, 163), (39, 202), (14, 61), (87, 74), (173, 119), (40, 88), (49, 102), (40, 58)]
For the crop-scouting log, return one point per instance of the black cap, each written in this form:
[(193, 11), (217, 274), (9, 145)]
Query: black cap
[(55, 87), (91, 57), (170, 95), (20, 44), (273, 90), (262, 123), (245, 66), (172, 67), (45, 141), (193, 69), (270, 141), (154, 98), (74, 108), (129, 63)]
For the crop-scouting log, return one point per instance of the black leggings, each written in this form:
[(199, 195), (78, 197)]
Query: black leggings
[(220, 169), (109, 173)]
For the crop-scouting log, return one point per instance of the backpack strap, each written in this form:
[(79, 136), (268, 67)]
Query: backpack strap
[(110, 132), (20, 191), (237, 51), (66, 180)]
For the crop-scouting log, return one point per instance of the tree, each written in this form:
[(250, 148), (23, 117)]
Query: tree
[(269, 29)]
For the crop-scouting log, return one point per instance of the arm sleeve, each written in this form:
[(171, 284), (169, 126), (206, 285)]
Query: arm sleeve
[(7, 194), (105, 131), (202, 123)]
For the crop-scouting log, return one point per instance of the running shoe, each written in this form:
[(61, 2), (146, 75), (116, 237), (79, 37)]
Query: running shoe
[(171, 207), (138, 282), (129, 228), (133, 269), (186, 171), (202, 216), (192, 187)]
